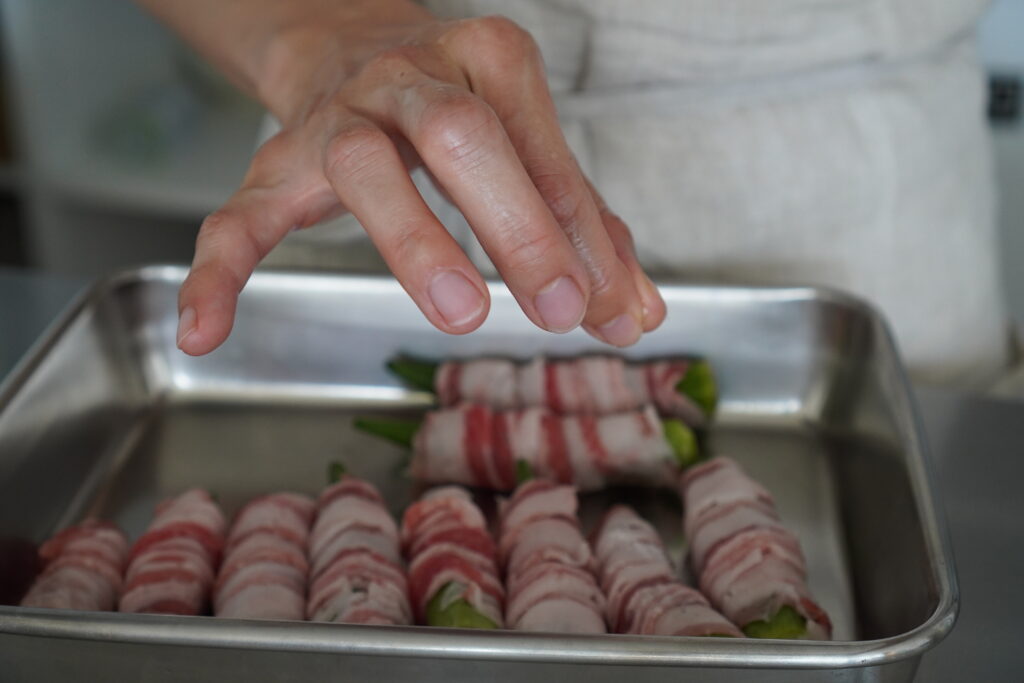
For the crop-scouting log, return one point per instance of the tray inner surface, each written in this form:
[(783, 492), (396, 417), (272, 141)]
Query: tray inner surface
[(239, 451), (113, 418)]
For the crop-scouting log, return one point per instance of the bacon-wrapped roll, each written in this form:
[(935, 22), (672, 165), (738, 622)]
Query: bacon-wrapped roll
[(476, 446), (263, 575), (172, 566), (644, 594), (749, 565), (83, 568), (548, 566), (599, 385), (453, 572), (357, 576)]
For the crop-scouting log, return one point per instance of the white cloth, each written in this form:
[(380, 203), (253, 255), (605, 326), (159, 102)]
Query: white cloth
[(822, 142)]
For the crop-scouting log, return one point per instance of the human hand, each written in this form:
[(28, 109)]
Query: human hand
[(364, 96)]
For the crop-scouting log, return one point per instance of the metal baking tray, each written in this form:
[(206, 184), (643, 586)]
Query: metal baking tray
[(105, 416)]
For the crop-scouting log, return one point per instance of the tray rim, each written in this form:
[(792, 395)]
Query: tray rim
[(419, 641)]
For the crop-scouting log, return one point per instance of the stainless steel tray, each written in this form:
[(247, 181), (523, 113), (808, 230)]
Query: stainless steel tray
[(105, 416)]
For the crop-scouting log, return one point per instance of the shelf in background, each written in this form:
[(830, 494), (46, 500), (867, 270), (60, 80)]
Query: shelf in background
[(194, 180)]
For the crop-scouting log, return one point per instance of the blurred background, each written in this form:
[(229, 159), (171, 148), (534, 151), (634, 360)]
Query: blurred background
[(115, 141)]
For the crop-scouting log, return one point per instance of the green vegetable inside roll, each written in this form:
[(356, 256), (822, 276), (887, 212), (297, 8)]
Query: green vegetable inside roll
[(786, 624), (442, 610), (699, 385)]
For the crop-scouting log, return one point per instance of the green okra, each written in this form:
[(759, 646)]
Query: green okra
[(524, 471), (682, 440), (699, 385), (395, 429), (418, 374), (786, 624), (335, 471), (443, 611)]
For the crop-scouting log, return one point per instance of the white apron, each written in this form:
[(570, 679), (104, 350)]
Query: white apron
[(820, 142)]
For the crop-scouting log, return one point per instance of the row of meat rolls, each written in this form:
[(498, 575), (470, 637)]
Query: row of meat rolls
[(548, 564), (749, 565), (644, 593)]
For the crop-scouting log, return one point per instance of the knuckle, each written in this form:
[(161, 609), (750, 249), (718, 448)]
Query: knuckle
[(391, 63), (216, 228), (565, 200), (273, 162), (224, 234), (500, 39), (603, 284), (498, 30), (459, 123), (410, 242), (526, 250), (355, 150)]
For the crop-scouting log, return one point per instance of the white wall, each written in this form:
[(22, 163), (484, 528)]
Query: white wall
[(1002, 46)]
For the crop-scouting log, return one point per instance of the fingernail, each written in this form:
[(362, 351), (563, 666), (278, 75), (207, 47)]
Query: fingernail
[(455, 297), (623, 331), (560, 305), (650, 297), (186, 324)]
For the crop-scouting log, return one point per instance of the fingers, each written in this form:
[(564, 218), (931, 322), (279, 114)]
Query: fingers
[(478, 114), (277, 196), (464, 145), (653, 305), (366, 171), (505, 70), (231, 242)]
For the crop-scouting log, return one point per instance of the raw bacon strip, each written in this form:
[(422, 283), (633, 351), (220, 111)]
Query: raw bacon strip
[(548, 565), (461, 445), (749, 565), (644, 594), (453, 573), (83, 568), (597, 385), (263, 575), (172, 566), (357, 576)]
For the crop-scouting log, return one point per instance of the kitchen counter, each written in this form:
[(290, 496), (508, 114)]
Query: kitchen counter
[(974, 441)]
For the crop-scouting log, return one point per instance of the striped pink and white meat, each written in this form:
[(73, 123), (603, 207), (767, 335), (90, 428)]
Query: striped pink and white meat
[(474, 445), (748, 564), (449, 547), (263, 575), (548, 564), (172, 567), (644, 594), (596, 385), (357, 572), (83, 568)]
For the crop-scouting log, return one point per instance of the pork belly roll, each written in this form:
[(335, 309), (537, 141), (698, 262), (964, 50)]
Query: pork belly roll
[(476, 446), (599, 385), (453, 571), (263, 575), (357, 573), (548, 566), (643, 592), (82, 568), (749, 565), (172, 567)]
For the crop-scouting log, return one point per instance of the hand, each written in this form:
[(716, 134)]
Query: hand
[(364, 97)]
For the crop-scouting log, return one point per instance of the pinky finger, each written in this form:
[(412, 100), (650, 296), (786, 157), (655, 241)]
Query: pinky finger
[(653, 305)]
